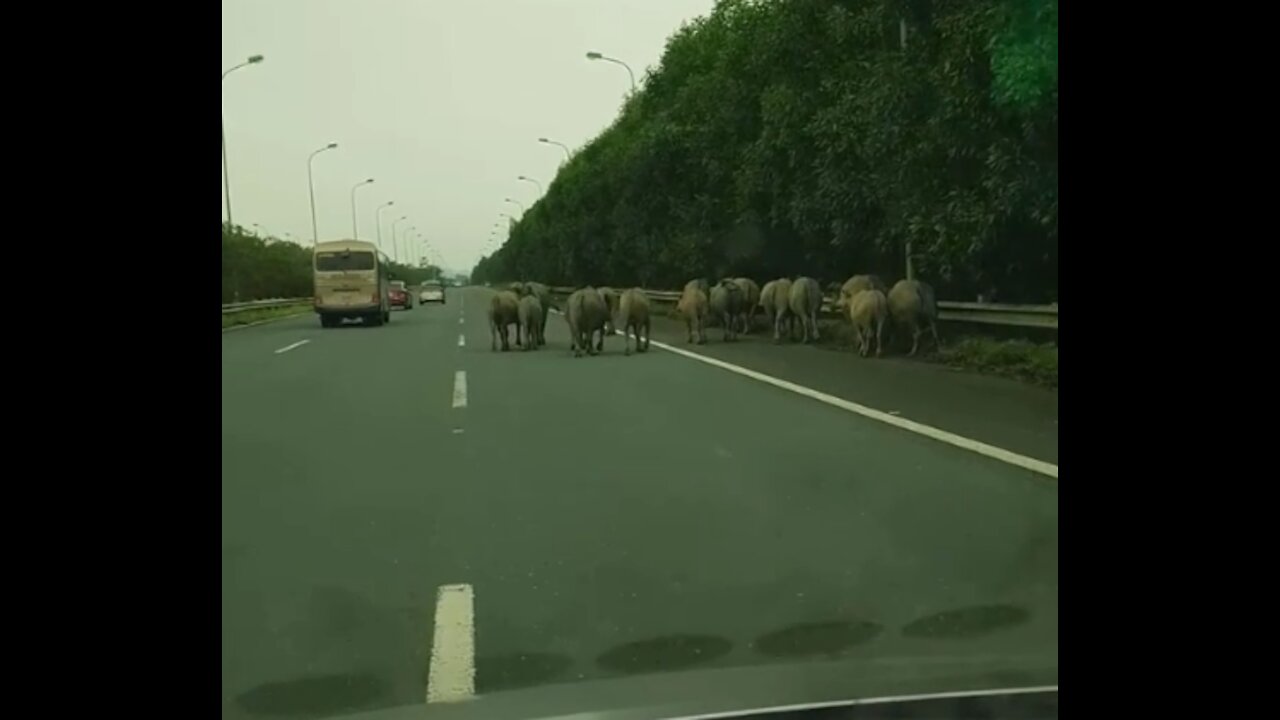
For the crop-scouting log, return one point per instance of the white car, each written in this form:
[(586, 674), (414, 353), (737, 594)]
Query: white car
[(431, 292)]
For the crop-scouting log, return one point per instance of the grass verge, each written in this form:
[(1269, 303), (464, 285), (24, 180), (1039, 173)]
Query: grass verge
[(260, 314), (1036, 363), (1033, 362)]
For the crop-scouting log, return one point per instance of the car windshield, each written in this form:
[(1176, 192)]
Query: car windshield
[(669, 337)]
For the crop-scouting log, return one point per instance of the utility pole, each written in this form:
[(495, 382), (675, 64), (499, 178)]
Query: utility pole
[(902, 44)]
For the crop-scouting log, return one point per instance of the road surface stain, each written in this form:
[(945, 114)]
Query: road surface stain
[(323, 695), (820, 638), (967, 622), (670, 652)]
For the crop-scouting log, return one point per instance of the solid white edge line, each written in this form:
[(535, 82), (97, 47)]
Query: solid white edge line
[(870, 701), (460, 389), (981, 448), (959, 441), (451, 676), (287, 348), (462, 341)]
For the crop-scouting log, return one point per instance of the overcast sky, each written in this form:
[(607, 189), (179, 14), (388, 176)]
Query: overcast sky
[(440, 101)]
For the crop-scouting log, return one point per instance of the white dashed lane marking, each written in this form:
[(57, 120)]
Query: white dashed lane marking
[(460, 389), (287, 348), (452, 674)]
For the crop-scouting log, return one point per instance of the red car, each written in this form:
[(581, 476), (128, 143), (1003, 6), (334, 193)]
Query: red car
[(398, 295)]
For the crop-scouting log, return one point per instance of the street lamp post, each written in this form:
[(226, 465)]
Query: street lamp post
[(226, 176), (377, 218), (517, 204), (252, 60), (564, 147), (407, 234), (593, 55), (902, 43), (311, 188), (393, 230), (355, 231), (531, 180)]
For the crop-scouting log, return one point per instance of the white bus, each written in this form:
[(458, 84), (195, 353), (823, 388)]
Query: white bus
[(351, 282)]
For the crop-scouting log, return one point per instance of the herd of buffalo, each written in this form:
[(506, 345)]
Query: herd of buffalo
[(733, 302)]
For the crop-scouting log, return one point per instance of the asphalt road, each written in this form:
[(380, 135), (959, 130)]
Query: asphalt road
[(607, 516)]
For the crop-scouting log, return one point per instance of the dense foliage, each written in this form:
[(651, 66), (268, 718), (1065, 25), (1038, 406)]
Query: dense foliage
[(813, 136), (257, 268)]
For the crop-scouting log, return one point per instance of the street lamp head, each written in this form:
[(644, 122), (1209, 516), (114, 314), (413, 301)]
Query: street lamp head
[(542, 140), (366, 182), (255, 59), (593, 55), (331, 146)]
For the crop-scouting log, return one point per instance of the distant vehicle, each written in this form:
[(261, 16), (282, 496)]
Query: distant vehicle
[(432, 291), (351, 283), (398, 295)]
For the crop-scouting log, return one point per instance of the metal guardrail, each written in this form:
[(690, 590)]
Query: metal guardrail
[(230, 308), (1040, 316)]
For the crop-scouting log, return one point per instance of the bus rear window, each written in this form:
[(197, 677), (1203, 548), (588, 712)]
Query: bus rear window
[(340, 261)]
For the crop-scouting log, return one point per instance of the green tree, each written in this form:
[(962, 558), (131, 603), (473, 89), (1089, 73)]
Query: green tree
[(779, 137), (257, 268)]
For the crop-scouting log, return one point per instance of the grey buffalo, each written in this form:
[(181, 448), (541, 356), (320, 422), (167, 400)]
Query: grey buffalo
[(804, 301), (587, 314)]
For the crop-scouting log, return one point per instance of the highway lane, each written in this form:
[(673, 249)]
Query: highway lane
[(611, 515), (328, 456), (1004, 412)]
